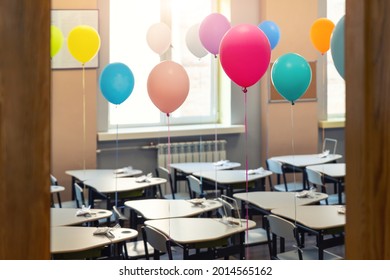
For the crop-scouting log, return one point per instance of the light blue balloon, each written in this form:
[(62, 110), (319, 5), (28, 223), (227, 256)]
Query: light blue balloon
[(291, 76), (337, 46), (272, 31), (116, 82)]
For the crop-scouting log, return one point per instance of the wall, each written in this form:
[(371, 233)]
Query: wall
[(67, 111), (273, 128), (288, 129)]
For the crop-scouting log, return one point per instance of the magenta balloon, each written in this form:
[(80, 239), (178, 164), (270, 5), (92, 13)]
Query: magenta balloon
[(211, 31), (245, 54), (168, 86)]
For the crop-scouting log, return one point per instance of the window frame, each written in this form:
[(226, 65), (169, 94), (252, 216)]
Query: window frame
[(104, 106)]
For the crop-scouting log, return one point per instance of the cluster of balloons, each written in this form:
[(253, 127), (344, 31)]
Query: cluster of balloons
[(244, 50)]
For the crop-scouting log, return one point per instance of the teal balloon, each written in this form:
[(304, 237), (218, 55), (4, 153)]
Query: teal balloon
[(337, 46), (291, 76), (116, 82)]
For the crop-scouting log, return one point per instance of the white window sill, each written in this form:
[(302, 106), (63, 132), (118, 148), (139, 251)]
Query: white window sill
[(332, 123), (174, 131)]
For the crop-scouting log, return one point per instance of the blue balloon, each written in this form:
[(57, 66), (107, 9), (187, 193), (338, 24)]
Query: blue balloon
[(272, 31), (337, 46), (116, 82), (291, 76)]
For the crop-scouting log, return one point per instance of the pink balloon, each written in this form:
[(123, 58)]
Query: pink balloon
[(245, 54), (168, 86), (211, 30)]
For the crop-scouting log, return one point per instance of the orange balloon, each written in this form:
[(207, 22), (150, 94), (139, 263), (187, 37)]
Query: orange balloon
[(320, 34)]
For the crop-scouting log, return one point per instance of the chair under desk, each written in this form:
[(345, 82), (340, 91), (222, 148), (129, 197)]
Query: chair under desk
[(334, 172), (319, 220), (153, 209), (75, 242), (110, 186), (265, 201), (194, 232), (231, 180), (299, 162), (68, 217), (81, 175), (183, 169)]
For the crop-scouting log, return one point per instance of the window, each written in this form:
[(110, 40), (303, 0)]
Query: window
[(335, 83), (129, 23)]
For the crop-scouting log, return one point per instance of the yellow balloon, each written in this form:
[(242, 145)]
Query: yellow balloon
[(83, 43), (56, 40), (320, 34)]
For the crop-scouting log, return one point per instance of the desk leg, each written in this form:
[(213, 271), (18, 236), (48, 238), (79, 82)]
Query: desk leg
[(320, 239), (340, 191), (59, 200), (242, 246)]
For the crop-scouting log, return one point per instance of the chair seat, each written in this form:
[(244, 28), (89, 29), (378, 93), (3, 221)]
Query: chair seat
[(256, 236), (310, 253), (291, 187), (136, 249)]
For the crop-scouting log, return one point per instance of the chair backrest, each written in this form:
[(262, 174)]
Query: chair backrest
[(277, 227), (330, 145), (119, 217), (195, 185), (162, 172), (281, 227), (79, 194), (53, 180), (314, 177), (159, 241), (274, 166)]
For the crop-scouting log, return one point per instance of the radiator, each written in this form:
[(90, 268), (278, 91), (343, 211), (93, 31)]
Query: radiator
[(197, 151)]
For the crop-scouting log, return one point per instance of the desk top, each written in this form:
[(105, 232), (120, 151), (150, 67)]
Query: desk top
[(75, 239), (317, 217), (305, 160), (268, 200), (86, 174), (152, 209), (231, 176), (113, 184), (67, 216), (336, 170), (192, 167), (196, 230)]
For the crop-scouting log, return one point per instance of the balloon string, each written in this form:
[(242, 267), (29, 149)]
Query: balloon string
[(84, 118), (169, 145), (246, 165), (84, 122), (293, 152), (116, 160)]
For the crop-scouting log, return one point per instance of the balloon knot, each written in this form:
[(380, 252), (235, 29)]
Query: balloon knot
[(168, 115), (292, 103), (244, 90)]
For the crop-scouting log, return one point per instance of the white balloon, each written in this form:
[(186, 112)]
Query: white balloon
[(159, 37), (193, 41)]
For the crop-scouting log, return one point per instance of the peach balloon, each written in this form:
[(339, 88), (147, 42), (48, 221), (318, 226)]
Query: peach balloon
[(168, 86)]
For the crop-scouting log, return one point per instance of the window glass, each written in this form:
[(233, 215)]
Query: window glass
[(130, 21)]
